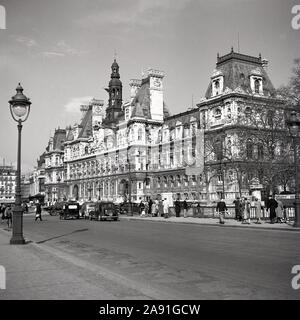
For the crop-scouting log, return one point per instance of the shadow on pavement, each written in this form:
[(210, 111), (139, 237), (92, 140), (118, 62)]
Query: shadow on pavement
[(63, 235)]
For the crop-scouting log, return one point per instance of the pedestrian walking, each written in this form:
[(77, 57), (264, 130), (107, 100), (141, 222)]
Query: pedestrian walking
[(154, 208), (8, 216), (199, 210), (246, 213), (257, 205), (221, 210), (150, 204), (177, 208), (2, 211), (38, 211), (272, 205), (142, 208), (146, 206), (195, 209), (185, 209), (160, 208), (238, 208), (285, 215), (166, 208), (279, 211)]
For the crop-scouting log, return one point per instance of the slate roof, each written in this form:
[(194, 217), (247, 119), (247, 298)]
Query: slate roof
[(141, 102), (237, 69), (58, 139), (86, 124)]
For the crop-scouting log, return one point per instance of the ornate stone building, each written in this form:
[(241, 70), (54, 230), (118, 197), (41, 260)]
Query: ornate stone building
[(7, 183), (137, 149), (53, 172)]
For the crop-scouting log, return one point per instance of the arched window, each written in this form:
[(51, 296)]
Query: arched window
[(165, 181), (171, 181), (249, 149), (158, 182), (248, 111), (218, 113), (186, 180), (260, 151), (178, 180)]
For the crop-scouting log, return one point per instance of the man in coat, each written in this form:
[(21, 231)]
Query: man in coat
[(177, 208), (221, 209), (38, 212), (237, 206), (272, 205)]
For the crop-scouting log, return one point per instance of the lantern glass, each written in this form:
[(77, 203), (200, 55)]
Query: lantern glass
[(19, 110)]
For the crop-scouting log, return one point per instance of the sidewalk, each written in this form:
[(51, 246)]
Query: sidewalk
[(215, 222)]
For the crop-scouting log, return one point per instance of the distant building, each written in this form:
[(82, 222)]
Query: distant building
[(52, 176), (7, 183)]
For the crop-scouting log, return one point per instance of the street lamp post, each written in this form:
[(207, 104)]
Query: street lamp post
[(294, 124), (19, 109)]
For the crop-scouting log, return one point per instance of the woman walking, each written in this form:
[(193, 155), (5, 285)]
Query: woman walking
[(279, 211), (257, 205)]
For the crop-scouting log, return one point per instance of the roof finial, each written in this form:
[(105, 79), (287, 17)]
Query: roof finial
[(115, 54), (259, 56), (231, 49)]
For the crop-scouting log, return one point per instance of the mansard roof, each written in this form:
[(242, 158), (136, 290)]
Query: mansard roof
[(141, 102), (237, 69), (86, 124), (58, 139)]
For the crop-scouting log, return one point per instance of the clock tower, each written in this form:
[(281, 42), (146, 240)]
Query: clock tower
[(115, 95)]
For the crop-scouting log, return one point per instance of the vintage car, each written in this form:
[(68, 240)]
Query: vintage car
[(56, 208), (70, 210), (86, 208), (104, 210)]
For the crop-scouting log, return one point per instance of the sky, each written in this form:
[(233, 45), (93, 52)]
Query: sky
[(62, 50)]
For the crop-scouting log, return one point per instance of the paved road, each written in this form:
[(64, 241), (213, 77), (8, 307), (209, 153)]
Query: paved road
[(156, 260)]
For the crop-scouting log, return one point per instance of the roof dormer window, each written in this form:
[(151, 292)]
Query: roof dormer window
[(217, 86)]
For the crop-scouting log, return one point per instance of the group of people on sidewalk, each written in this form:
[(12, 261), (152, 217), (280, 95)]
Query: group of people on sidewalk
[(243, 209), (161, 208), (156, 208), (6, 212)]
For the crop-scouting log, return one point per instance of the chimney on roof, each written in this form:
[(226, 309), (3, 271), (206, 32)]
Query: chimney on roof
[(265, 64)]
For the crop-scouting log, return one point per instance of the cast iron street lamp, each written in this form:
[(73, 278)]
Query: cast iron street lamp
[(294, 124), (19, 109)]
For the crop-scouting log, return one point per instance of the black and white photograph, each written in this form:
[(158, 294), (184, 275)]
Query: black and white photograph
[(149, 151)]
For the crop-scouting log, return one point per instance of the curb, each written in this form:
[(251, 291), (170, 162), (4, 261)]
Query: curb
[(216, 224)]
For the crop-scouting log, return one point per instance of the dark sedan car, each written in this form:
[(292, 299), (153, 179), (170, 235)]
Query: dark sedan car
[(104, 210)]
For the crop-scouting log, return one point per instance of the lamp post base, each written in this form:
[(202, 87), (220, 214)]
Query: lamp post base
[(17, 226), (297, 213), (17, 240)]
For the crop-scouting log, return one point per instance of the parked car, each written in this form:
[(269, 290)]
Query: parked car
[(104, 210), (56, 208), (70, 210), (86, 208)]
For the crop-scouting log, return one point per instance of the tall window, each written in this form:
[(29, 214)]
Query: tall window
[(140, 134), (260, 151), (256, 85), (249, 149)]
